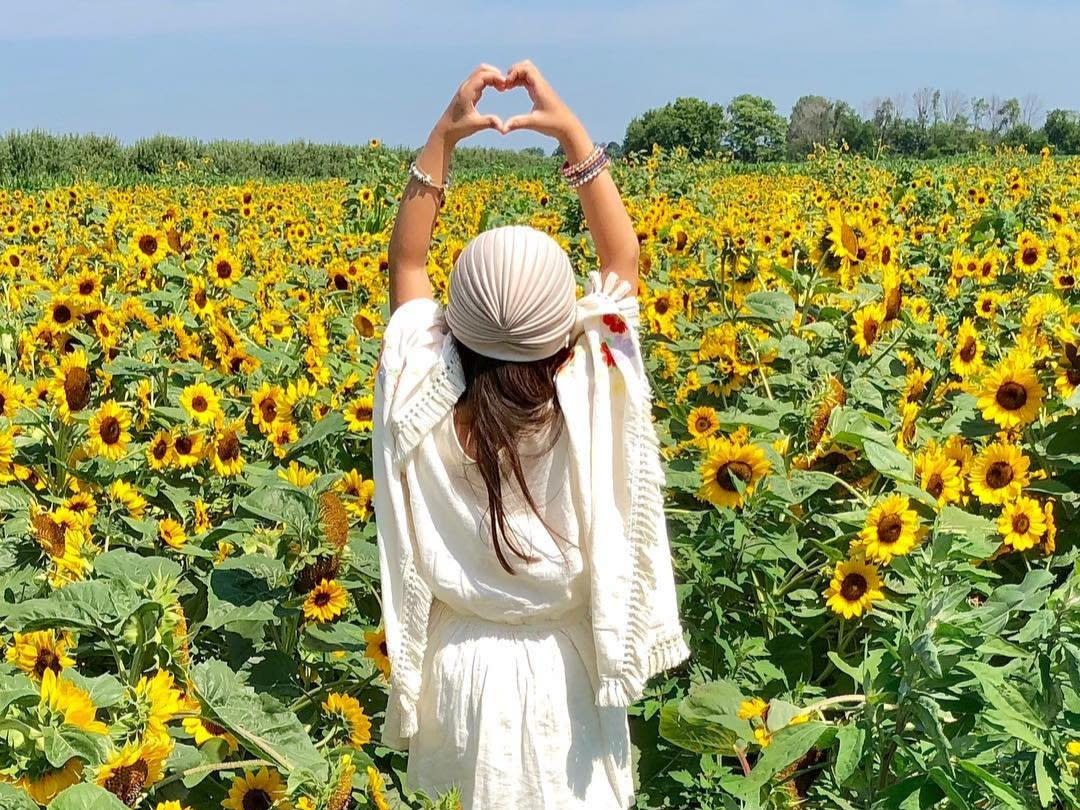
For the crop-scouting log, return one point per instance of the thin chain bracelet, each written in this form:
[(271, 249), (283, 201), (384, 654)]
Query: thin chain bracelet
[(422, 177)]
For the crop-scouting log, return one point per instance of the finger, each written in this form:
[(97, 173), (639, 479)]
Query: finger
[(491, 122), (475, 84), (527, 121), (519, 73)]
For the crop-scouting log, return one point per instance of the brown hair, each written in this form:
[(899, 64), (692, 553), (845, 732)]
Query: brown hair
[(503, 403)]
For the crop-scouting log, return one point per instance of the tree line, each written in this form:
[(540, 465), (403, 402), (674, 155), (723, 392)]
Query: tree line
[(927, 124)]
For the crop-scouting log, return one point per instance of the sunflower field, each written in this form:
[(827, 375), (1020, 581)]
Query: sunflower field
[(867, 379)]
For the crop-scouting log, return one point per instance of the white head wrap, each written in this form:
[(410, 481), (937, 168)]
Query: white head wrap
[(512, 295)]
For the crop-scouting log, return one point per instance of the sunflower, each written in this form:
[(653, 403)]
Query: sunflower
[(149, 245), (362, 491), (201, 403), (987, 304), (159, 452), (1022, 523), (869, 322), (171, 533), (1011, 394), (341, 798), (967, 357), (333, 520), (940, 476), (377, 789), (160, 701), (44, 787), (62, 698), (62, 313), (348, 710), (285, 433), (172, 804), (999, 473), (855, 586), (204, 731), (224, 270), (359, 414), (753, 708), (1030, 253), (108, 431), (187, 448), (73, 385), (376, 650), (326, 602), (135, 767), (39, 652), (366, 323), (225, 452), (702, 421), (891, 529), (130, 497), (260, 790), (724, 462)]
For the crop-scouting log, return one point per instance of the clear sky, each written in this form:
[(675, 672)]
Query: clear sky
[(340, 71)]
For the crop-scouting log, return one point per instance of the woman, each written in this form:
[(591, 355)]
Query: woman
[(527, 583)]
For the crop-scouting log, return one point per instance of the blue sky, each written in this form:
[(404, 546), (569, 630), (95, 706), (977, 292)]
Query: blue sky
[(340, 71)]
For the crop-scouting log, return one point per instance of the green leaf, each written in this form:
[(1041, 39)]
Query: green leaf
[(242, 589), (97, 606), (330, 425), (134, 568), (62, 744), (777, 307), (889, 461), (946, 783), (848, 758), (86, 796), (1043, 783), (259, 721), (788, 745), (105, 690), (16, 689), (699, 736), (13, 798), (995, 785), (278, 503)]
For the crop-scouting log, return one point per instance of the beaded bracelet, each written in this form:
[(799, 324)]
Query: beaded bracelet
[(589, 174), (569, 171), (422, 177)]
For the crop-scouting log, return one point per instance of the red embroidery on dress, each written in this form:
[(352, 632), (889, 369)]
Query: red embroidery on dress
[(615, 323), (609, 358)]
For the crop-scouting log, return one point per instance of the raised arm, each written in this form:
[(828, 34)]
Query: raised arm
[(605, 214), (420, 203)]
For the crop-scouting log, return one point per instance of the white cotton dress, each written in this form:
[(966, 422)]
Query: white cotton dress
[(514, 687)]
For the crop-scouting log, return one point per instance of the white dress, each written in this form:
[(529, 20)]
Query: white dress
[(504, 698)]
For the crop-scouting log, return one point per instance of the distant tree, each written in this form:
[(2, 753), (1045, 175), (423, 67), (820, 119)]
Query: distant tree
[(533, 151), (1005, 115), (849, 127), (689, 122), (756, 131), (954, 106), (980, 113), (1031, 107), (1062, 131), (613, 149), (811, 121)]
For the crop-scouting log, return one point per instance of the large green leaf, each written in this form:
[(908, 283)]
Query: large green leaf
[(97, 606), (698, 735), (86, 796), (787, 746), (777, 307), (849, 757), (263, 724), (67, 742), (126, 565), (244, 589), (13, 798)]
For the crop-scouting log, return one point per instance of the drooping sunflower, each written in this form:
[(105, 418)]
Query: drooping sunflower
[(62, 699), (702, 421), (326, 602), (204, 731), (891, 529), (39, 652), (1011, 393), (259, 790), (128, 772), (350, 713), (377, 789), (201, 403), (868, 326), (359, 414), (1022, 523), (159, 701), (967, 357), (43, 786), (723, 463), (341, 797), (129, 496), (999, 473), (108, 431), (73, 385), (854, 588), (376, 650)]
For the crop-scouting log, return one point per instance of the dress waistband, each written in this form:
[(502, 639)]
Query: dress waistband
[(442, 612)]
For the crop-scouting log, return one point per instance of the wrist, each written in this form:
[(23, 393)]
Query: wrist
[(442, 136), (575, 142)]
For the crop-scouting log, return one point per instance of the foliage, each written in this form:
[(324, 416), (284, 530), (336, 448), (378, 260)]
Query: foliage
[(690, 123), (866, 386)]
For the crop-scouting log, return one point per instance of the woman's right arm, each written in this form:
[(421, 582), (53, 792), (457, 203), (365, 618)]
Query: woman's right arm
[(605, 214)]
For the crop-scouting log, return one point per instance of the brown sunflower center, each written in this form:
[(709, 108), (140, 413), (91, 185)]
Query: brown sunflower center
[(199, 403), (268, 410), (200, 298), (148, 244), (183, 445), (110, 430), (1073, 376), (160, 449), (728, 472), (383, 649), (213, 728), (363, 413), (223, 269), (61, 313), (77, 389), (967, 351), (1021, 523), (1011, 396), (229, 447), (702, 424), (321, 599), (1030, 256), (853, 587), (86, 287), (935, 486), (889, 529), (257, 799), (127, 782), (46, 660), (999, 474), (661, 306), (870, 330)]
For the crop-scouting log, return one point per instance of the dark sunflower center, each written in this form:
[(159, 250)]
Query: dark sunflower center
[(62, 314), (363, 413), (160, 449), (268, 410), (870, 330), (853, 587), (86, 287), (213, 728), (110, 430), (322, 599), (1011, 396), (148, 244), (200, 298), (1030, 256), (340, 282), (1067, 280), (1021, 523), (935, 486), (229, 447), (183, 445), (1073, 376), (127, 782), (77, 389), (46, 660), (199, 403), (661, 306), (967, 352), (726, 475), (999, 474), (257, 799), (382, 648), (890, 529), (224, 269), (702, 424)]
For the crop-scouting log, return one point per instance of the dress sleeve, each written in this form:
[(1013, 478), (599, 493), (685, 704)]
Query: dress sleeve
[(607, 405)]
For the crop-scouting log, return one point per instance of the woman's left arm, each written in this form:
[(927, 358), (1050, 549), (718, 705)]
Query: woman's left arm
[(420, 203)]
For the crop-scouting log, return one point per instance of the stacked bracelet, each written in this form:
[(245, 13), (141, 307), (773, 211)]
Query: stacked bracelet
[(585, 170), (422, 177)]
